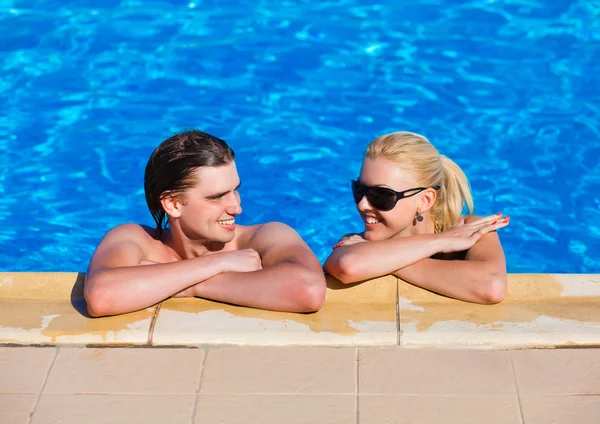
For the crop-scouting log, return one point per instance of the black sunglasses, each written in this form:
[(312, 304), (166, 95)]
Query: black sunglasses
[(382, 198)]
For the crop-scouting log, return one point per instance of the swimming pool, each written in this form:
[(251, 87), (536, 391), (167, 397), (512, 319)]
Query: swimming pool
[(509, 90)]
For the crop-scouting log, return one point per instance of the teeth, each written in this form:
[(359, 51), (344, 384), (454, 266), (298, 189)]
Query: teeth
[(370, 220), (227, 222)]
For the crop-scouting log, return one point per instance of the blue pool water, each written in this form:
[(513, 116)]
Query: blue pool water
[(509, 89)]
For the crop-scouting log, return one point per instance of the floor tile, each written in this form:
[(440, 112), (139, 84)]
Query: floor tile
[(560, 371), (280, 370), (49, 308), (276, 409), (541, 310), (122, 370), (375, 409), (353, 315), (114, 409), (24, 369), (434, 372), (16, 408), (561, 409)]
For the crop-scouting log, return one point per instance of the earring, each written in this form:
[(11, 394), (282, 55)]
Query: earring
[(419, 216)]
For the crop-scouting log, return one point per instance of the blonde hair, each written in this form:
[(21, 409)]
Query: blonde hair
[(416, 154)]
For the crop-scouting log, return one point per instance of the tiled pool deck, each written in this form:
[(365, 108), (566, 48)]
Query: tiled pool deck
[(379, 352), (298, 385)]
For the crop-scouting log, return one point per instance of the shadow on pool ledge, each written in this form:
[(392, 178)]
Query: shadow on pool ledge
[(77, 299)]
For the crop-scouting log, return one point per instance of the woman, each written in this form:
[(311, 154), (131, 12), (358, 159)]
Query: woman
[(410, 198)]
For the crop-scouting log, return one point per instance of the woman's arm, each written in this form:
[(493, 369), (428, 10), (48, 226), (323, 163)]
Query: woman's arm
[(479, 278), (356, 261), (350, 263)]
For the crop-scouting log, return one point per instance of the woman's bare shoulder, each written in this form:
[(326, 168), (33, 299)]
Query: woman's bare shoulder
[(470, 218)]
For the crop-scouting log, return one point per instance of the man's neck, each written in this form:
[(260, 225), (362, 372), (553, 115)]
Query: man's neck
[(185, 248)]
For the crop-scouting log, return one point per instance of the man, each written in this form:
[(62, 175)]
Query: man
[(191, 183)]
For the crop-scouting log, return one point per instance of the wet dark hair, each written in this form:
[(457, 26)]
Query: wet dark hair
[(169, 169)]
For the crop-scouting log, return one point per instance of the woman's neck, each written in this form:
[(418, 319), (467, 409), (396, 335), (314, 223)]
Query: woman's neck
[(427, 226)]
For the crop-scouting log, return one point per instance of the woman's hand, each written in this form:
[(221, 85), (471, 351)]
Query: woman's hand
[(463, 236), (349, 240)]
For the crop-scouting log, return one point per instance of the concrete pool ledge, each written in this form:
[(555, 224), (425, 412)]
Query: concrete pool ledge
[(49, 309), (541, 310), (357, 315)]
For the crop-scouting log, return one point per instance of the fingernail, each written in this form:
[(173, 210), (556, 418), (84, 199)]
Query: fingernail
[(494, 222), (499, 213), (507, 218)]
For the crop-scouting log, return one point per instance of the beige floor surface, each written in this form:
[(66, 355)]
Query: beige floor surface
[(42, 385)]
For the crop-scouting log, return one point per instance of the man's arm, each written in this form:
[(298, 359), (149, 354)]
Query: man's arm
[(479, 278), (116, 282), (291, 280)]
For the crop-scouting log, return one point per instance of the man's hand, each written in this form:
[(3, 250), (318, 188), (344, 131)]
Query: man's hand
[(245, 260)]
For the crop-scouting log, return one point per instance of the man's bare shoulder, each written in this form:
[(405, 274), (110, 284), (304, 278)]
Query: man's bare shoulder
[(272, 229), (138, 236), (277, 242), (276, 227), (267, 235), (131, 232), (125, 245)]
